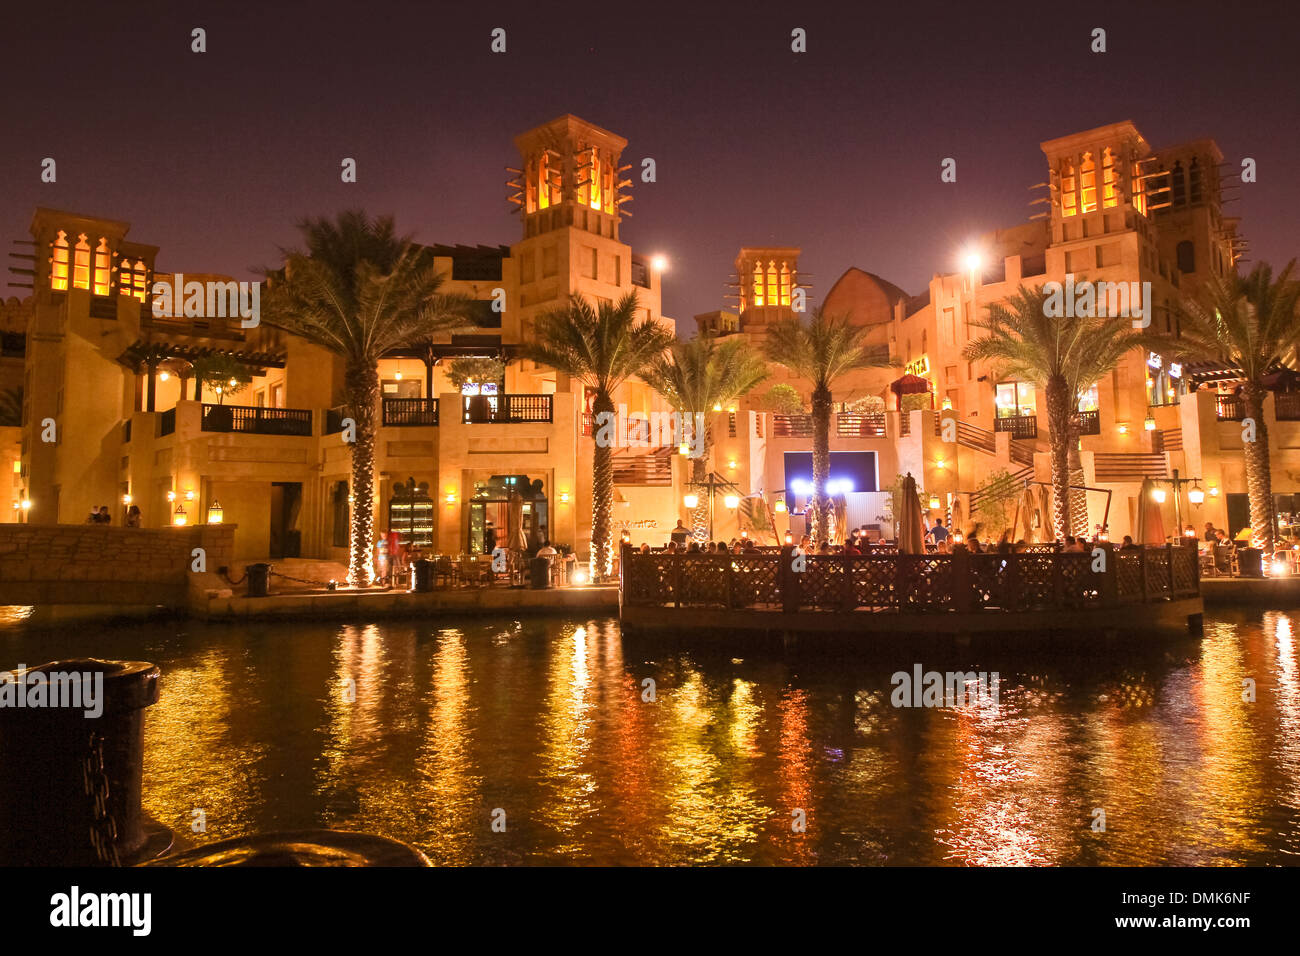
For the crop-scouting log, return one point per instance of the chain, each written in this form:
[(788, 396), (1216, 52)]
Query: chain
[(103, 828)]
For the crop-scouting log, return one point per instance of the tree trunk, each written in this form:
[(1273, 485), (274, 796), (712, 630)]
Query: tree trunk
[(700, 474), (1259, 477), (1058, 424), (1078, 498), (602, 496), (819, 506), (362, 385)]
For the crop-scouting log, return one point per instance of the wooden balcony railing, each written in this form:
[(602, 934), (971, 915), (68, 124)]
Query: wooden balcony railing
[(256, 420), (1286, 406), (1229, 408), (655, 468), (1018, 426), (856, 425), (792, 426), (166, 422), (410, 411), (507, 409), (909, 583)]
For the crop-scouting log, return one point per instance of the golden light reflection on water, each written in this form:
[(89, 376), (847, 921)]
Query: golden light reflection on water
[(550, 721)]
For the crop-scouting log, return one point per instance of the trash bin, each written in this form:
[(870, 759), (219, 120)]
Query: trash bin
[(259, 579), (539, 573), (1250, 562), (422, 575), (71, 775)]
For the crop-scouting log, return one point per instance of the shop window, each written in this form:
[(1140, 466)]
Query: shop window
[(1016, 399)]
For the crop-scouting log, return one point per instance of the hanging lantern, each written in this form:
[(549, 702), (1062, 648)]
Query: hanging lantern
[(180, 517), (934, 502), (215, 513), (691, 501), (1196, 496), (779, 507)]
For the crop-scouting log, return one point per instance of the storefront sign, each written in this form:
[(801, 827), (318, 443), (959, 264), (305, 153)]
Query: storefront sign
[(919, 366)]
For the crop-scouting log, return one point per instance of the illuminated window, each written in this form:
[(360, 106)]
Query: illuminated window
[(608, 189), (1139, 190), (1015, 399), (758, 284), (785, 284), (59, 263), (530, 186), (1069, 190), (594, 180), (81, 263), (1109, 197), (1088, 400), (138, 280), (102, 268), (544, 181), (1088, 184), (773, 294)]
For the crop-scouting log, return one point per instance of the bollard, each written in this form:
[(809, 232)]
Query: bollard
[(70, 783), (539, 573), (422, 575), (259, 579)]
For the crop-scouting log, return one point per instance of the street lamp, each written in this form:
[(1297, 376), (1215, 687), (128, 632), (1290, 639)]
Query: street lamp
[(215, 512), (712, 484)]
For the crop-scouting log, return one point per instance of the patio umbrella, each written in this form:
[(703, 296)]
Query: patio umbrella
[(1046, 530), (516, 538), (955, 515), (1029, 509), (911, 526), (1151, 519)]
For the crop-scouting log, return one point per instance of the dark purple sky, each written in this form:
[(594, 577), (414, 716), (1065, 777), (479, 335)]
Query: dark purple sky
[(214, 156)]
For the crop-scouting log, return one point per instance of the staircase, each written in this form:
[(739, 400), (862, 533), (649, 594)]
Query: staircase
[(654, 468)]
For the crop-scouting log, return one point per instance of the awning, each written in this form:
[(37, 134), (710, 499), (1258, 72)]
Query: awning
[(910, 385)]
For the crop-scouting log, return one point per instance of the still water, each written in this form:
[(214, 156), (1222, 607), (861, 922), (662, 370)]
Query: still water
[(545, 719)]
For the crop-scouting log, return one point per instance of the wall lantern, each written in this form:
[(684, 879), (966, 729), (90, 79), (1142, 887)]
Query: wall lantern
[(779, 507), (731, 501), (934, 502), (1122, 428), (564, 497), (180, 517), (789, 538), (215, 512), (126, 499), (171, 496), (450, 498), (691, 501), (1158, 494), (1214, 491), (939, 464), (1150, 424)]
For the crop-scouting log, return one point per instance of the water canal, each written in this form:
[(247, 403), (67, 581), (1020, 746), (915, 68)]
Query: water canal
[(546, 720)]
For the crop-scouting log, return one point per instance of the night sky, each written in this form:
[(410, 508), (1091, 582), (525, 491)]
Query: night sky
[(214, 156)]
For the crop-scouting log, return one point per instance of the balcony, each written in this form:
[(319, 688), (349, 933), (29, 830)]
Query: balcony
[(1089, 422), (401, 412), (1017, 426), (852, 425), (256, 421), (1229, 408), (166, 422), (507, 409), (792, 426), (1286, 406)]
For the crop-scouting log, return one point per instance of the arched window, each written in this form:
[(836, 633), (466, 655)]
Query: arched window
[(608, 187), (773, 293), (1109, 196), (594, 180), (1069, 190), (81, 263), (785, 284), (102, 267), (1137, 187), (59, 262), (1088, 184), (759, 298), (138, 280)]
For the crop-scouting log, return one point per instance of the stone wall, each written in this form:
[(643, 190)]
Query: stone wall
[(93, 564)]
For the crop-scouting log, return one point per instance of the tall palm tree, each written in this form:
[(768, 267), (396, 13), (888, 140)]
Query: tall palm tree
[(820, 352), (359, 290), (602, 348), (1062, 355), (1253, 323), (698, 378)]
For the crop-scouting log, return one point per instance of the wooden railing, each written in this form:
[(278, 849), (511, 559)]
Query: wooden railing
[(1286, 406), (792, 426), (1018, 426), (860, 425), (507, 409), (256, 420), (1229, 408), (410, 411), (166, 422), (908, 583), (655, 468)]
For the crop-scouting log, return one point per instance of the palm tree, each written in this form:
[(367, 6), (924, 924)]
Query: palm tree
[(697, 379), (360, 290), (602, 348), (820, 352), (1252, 323), (1064, 356)]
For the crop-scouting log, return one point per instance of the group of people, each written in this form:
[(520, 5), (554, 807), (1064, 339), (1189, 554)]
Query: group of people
[(101, 515)]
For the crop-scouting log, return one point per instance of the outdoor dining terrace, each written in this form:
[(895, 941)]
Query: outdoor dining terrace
[(771, 589)]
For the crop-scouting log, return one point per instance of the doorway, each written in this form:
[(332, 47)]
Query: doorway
[(286, 505)]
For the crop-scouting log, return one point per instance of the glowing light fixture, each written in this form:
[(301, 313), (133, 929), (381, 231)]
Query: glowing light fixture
[(717, 406), (215, 512), (789, 538), (126, 499), (27, 504), (659, 263), (731, 463), (189, 495), (684, 448), (1122, 428), (579, 577), (691, 501), (163, 376), (1279, 568), (564, 497), (1196, 495), (1214, 491), (1158, 495), (939, 464), (973, 261), (450, 498), (171, 496), (934, 502), (1149, 424), (731, 501), (779, 507), (180, 517)]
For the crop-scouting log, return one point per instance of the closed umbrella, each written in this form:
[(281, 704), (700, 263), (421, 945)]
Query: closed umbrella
[(841, 515), (1029, 509), (956, 515), (911, 526), (1151, 520), (1046, 526), (516, 537)]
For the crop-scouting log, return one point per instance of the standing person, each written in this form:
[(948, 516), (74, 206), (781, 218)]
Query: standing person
[(133, 516), (104, 516), (939, 532), (680, 533)]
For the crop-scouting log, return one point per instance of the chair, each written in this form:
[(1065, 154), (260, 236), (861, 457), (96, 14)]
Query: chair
[(444, 571)]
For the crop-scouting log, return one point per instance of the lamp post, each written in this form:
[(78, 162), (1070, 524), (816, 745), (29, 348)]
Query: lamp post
[(1196, 496), (712, 484)]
